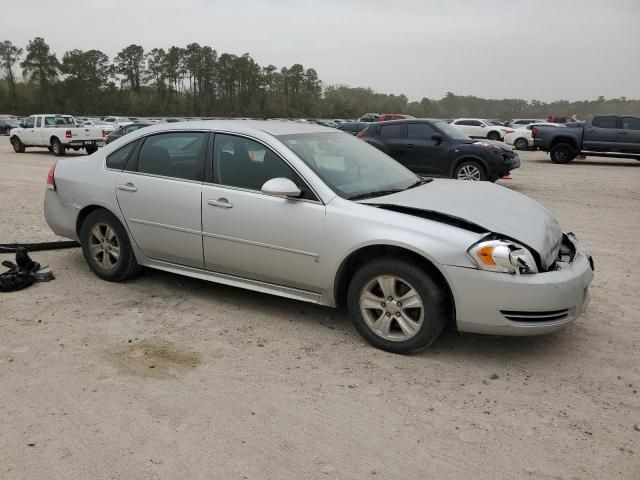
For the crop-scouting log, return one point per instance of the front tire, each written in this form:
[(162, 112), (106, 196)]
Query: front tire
[(57, 148), (470, 170), (106, 247), (562, 153), (17, 144), (493, 136), (396, 306), (91, 150)]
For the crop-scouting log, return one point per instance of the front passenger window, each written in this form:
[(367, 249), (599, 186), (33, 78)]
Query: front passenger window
[(244, 163), (175, 154)]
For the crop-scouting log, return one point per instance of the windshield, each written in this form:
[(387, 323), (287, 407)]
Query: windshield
[(348, 165), (450, 131)]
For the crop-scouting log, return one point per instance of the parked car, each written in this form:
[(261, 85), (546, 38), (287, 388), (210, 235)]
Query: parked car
[(353, 127), (6, 124), (521, 122), (369, 117), (308, 213), (57, 133), (435, 148), (393, 116), (478, 128), (521, 138), (107, 127), (601, 136), (125, 130), (562, 119), (117, 122)]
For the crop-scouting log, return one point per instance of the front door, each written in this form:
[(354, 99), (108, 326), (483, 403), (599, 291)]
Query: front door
[(424, 155), (629, 135), (160, 194), (29, 133), (253, 235)]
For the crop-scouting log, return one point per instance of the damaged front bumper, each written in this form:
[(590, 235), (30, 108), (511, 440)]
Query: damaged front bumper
[(518, 305)]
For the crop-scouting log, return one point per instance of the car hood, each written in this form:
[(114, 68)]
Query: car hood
[(492, 207)]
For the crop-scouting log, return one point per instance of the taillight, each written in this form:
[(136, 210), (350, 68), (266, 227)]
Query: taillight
[(509, 130), (104, 134), (67, 134), (534, 132), (51, 177), (362, 133)]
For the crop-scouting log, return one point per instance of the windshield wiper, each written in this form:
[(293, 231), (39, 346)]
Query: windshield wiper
[(378, 193), (422, 181)]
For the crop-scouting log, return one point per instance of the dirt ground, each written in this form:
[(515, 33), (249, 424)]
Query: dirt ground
[(166, 377)]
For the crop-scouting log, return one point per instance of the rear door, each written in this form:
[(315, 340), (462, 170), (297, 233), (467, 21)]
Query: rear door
[(424, 155), (602, 134), (629, 134), (394, 138), (160, 194)]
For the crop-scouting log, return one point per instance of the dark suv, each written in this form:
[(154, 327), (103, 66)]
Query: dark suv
[(436, 149)]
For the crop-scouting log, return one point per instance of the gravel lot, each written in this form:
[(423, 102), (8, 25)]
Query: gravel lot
[(169, 377)]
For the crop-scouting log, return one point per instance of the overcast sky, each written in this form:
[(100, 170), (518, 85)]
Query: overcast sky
[(531, 49)]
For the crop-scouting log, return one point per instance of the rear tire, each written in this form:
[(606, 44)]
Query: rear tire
[(106, 247), (470, 170), (375, 297), (521, 143), (91, 150), (562, 153), (17, 144), (57, 148)]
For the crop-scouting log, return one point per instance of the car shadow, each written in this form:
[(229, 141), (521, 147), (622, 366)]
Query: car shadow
[(617, 162), (450, 345)]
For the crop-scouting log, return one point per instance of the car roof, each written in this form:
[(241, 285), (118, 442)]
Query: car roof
[(272, 127)]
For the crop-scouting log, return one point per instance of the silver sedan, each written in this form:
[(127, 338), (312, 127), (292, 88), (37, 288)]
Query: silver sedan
[(313, 214)]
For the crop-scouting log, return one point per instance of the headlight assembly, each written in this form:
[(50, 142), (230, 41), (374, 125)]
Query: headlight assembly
[(503, 256)]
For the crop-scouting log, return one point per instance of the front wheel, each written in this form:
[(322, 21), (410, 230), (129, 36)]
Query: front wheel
[(470, 170), (493, 136), (91, 150), (396, 306), (106, 247), (57, 148), (562, 153), (17, 144)]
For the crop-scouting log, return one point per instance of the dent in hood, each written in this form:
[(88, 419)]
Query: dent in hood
[(482, 207)]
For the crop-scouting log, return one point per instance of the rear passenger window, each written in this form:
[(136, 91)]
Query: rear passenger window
[(391, 131), (605, 122), (118, 159), (176, 155)]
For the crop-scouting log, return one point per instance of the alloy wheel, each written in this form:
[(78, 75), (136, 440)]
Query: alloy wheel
[(392, 308), (469, 172), (104, 246)]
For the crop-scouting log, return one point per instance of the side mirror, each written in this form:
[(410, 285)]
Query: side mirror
[(281, 187), (436, 137), (21, 124)]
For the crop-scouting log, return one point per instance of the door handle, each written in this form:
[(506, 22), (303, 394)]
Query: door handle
[(622, 133), (409, 145), (128, 187), (221, 202)]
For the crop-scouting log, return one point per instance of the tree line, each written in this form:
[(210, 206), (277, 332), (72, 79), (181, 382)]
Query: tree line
[(197, 80)]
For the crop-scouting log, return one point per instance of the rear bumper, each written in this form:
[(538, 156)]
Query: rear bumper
[(85, 143), (60, 218), (519, 305)]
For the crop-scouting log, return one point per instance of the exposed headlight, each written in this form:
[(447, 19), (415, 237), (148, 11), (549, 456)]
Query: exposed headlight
[(503, 256)]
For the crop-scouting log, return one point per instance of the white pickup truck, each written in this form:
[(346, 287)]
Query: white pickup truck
[(57, 133)]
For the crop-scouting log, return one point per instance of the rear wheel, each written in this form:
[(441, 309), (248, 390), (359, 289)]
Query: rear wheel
[(470, 170), (91, 150), (521, 144), (17, 144), (396, 306), (106, 247), (57, 148), (562, 153)]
